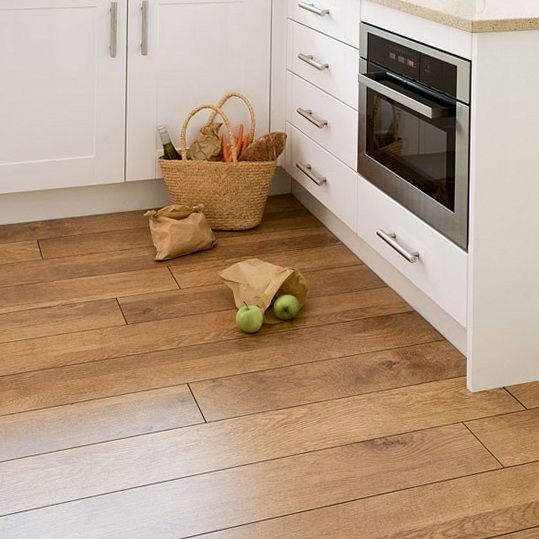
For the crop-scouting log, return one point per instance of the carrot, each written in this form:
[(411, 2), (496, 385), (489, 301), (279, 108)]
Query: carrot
[(226, 149), (239, 140)]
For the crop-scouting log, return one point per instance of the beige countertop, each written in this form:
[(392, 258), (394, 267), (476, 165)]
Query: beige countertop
[(474, 15)]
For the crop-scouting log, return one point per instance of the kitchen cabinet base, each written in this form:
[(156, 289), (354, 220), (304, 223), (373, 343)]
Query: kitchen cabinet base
[(94, 200), (443, 322)]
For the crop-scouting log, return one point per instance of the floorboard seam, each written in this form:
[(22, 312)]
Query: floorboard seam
[(196, 402), (511, 394), (482, 444), (121, 310)]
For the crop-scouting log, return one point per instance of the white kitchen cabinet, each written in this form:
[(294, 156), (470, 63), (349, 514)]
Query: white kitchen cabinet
[(196, 51), (335, 18), (62, 104)]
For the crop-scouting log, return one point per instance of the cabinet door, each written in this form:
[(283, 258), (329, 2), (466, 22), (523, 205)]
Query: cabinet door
[(195, 51), (62, 102)]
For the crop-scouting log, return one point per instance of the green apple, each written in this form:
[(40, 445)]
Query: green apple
[(250, 318), (286, 307)]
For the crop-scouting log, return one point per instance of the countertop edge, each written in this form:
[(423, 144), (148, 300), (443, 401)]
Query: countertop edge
[(467, 25)]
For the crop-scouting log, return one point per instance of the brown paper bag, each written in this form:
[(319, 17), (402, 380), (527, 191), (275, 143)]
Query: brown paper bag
[(179, 230), (257, 282)]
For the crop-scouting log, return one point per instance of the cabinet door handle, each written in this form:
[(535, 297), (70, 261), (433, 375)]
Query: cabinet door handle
[(144, 43), (313, 9), (309, 116), (113, 48), (391, 240), (309, 59), (308, 171)]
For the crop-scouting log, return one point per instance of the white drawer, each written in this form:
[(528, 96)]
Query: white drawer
[(342, 21), (440, 271), (338, 193), (340, 77), (329, 122)]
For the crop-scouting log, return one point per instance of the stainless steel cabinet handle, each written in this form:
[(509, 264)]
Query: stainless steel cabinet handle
[(144, 44), (369, 80), (113, 29), (391, 240), (309, 59), (313, 9), (309, 116), (308, 171)]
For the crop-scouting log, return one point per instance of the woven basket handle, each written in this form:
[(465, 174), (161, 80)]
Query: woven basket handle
[(216, 111), (247, 103)]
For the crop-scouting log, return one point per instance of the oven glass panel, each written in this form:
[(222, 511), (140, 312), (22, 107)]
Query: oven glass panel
[(419, 150)]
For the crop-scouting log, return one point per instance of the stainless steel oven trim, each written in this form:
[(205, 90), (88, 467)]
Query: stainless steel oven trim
[(453, 225), (463, 65)]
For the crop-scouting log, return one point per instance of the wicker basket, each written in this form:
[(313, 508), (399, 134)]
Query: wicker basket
[(233, 194)]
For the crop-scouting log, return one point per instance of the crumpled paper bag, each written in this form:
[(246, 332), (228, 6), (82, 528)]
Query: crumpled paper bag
[(257, 282), (179, 230)]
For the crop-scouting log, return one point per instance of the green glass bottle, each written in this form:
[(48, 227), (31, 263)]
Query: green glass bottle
[(169, 151)]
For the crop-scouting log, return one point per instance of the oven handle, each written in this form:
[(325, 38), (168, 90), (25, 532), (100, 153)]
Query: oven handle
[(369, 80)]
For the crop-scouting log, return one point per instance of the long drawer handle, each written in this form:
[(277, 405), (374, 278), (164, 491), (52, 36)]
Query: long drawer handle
[(309, 116), (309, 59), (308, 171), (144, 43), (313, 9), (113, 48), (391, 240)]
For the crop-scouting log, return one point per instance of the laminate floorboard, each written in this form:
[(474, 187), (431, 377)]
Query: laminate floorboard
[(513, 438), (306, 260), (527, 394), (96, 421), (74, 383), (71, 474), (477, 507), (269, 489), (19, 252), (229, 250), (40, 322), (72, 226), (116, 240), (172, 333), (532, 533), (116, 285), (323, 380), (148, 307), (132, 407)]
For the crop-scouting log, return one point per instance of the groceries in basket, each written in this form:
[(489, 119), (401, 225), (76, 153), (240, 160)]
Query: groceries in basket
[(226, 169)]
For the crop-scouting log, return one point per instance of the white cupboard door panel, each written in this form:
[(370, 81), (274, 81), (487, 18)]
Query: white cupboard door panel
[(324, 176), (197, 50), (336, 18), (62, 105), (333, 67), (440, 271), (328, 121)]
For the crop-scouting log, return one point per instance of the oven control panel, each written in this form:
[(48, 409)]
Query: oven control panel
[(414, 65)]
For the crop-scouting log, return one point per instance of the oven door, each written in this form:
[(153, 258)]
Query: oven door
[(414, 146)]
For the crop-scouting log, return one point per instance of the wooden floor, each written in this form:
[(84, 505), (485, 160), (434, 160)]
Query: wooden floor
[(131, 407)]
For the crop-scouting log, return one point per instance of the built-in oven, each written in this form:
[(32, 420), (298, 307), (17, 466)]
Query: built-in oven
[(414, 128)]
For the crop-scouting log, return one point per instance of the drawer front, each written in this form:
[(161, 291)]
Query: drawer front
[(338, 183), (333, 65), (342, 21), (328, 121), (441, 269)]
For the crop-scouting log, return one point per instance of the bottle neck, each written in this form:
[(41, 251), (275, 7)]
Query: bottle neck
[(165, 137)]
